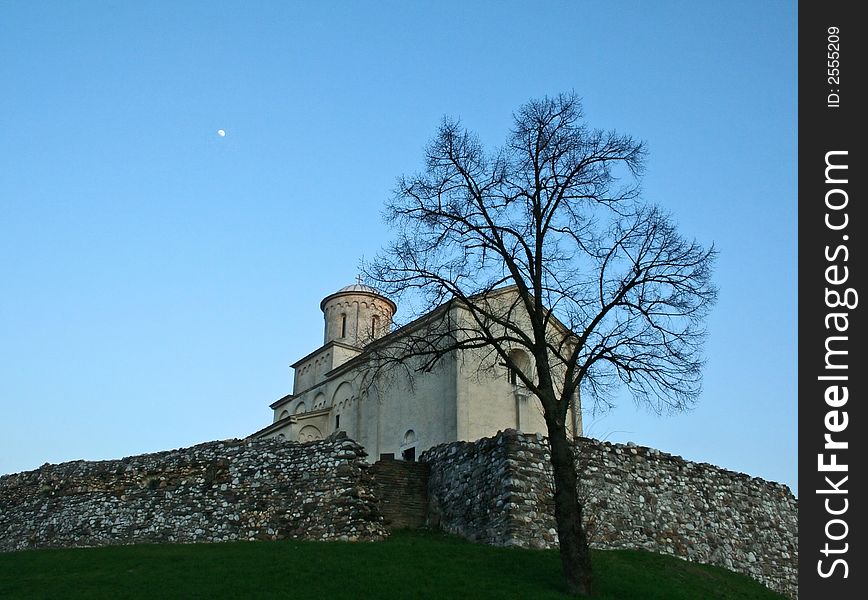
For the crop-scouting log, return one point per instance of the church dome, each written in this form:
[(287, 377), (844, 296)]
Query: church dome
[(358, 287), (357, 314)]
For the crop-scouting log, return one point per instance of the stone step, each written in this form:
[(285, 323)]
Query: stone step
[(402, 487)]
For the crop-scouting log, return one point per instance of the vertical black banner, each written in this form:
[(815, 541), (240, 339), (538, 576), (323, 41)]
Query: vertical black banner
[(832, 372)]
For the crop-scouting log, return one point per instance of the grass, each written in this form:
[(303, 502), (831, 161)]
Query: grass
[(408, 565)]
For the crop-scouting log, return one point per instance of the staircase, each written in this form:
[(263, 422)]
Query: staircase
[(402, 487)]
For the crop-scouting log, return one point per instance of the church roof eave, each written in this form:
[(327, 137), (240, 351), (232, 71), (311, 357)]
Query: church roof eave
[(330, 344), (280, 402), (269, 428), (290, 420)]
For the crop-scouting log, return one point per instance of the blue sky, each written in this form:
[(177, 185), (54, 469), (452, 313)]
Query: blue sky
[(158, 279)]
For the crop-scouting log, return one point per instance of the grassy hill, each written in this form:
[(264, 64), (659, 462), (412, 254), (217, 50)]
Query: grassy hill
[(408, 565)]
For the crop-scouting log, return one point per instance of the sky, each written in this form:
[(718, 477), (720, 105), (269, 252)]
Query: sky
[(158, 279)]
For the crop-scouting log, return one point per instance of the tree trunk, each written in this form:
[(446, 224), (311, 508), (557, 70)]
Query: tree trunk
[(575, 554)]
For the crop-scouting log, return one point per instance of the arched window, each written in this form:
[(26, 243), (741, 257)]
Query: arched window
[(284, 414), (343, 325), (519, 361), (375, 324), (300, 408)]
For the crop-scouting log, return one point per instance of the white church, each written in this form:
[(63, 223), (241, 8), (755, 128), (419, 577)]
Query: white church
[(402, 412)]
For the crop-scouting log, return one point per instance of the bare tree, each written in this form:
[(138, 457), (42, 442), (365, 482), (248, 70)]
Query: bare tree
[(608, 293)]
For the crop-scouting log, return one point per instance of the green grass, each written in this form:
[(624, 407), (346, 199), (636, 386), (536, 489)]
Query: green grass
[(408, 565)]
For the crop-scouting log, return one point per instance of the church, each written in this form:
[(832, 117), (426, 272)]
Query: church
[(400, 412)]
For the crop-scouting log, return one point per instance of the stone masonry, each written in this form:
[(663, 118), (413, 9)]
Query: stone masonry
[(499, 491), (496, 490), (217, 491)]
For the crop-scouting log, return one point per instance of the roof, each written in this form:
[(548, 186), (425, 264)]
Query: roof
[(358, 287), (283, 400), (330, 344)]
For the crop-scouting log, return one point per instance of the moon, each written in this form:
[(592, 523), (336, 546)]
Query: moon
[(221, 132)]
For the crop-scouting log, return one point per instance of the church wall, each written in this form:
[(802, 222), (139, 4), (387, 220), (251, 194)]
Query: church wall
[(422, 402), (304, 377), (342, 355), (635, 497), (379, 415), (313, 370), (345, 405), (491, 403), (218, 491), (488, 400)]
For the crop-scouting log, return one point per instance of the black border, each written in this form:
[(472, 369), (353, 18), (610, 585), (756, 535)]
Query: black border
[(823, 129)]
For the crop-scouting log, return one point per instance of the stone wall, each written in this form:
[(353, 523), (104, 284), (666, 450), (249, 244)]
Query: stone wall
[(218, 491), (495, 490), (498, 490), (491, 491)]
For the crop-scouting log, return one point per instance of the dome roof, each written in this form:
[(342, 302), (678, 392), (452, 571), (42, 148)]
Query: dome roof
[(358, 287)]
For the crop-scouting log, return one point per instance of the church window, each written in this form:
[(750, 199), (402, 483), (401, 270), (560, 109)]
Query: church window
[(337, 422), (375, 321), (300, 408), (343, 325), (518, 360), (284, 414)]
